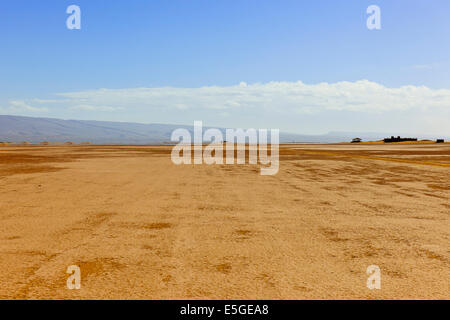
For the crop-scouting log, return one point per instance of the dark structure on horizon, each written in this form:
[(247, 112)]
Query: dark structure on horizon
[(398, 139)]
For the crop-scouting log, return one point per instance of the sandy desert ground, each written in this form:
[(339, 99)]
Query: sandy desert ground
[(141, 227)]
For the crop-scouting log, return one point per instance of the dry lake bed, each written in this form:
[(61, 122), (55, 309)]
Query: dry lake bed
[(139, 226)]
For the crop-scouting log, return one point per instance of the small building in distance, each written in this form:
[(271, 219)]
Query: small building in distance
[(398, 139), (440, 141), (356, 140)]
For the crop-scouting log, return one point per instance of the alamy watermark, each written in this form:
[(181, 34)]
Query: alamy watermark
[(254, 141), (374, 20), (74, 20), (374, 279), (74, 280)]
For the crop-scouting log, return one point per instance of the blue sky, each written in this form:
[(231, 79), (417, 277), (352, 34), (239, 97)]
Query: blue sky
[(229, 53)]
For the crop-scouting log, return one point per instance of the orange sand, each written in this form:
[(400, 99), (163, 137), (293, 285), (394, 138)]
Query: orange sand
[(141, 227)]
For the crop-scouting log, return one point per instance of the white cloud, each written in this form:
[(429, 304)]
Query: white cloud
[(46, 101), (20, 105), (428, 66), (296, 97), (87, 107), (290, 106)]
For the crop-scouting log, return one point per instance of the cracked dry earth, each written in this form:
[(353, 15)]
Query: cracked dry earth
[(141, 227)]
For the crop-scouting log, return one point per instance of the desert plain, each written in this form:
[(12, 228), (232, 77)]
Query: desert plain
[(141, 227)]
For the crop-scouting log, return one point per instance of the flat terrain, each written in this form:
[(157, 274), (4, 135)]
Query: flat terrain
[(141, 227)]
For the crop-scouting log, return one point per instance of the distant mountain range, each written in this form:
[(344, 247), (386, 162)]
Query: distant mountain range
[(35, 130)]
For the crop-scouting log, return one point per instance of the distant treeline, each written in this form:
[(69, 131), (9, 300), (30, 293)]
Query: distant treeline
[(398, 139)]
